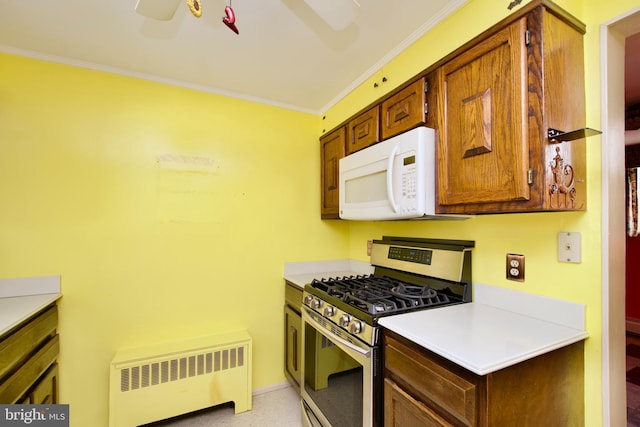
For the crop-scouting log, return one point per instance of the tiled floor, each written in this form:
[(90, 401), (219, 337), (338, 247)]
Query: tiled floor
[(278, 408)]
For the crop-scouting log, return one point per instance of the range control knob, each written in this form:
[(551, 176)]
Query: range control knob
[(316, 303), (355, 327), (344, 320), (329, 311), (307, 300)]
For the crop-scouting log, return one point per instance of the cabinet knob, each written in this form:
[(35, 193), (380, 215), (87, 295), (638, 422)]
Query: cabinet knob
[(384, 80)]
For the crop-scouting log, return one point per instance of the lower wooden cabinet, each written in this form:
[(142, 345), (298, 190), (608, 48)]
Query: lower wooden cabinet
[(293, 333), (402, 410), (45, 390), (424, 389), (28, 354)]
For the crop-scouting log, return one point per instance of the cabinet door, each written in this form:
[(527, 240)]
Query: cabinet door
[(404, 110), (293, 350), (448, 389), (332, 148), (402, 410), (483, 151), (46, 390), (364, 130), (431, 100)]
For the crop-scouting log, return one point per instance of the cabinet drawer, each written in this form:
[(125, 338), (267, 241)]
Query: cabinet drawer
[(400, 409), (404, 110), (16, 385), (293, 296), (364, 130), (20, 344), (432, 382)]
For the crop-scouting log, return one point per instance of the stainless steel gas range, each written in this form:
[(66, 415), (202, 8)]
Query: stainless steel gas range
[(341, 360)]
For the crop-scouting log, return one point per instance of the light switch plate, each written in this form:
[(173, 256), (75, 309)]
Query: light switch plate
[(570, 247)]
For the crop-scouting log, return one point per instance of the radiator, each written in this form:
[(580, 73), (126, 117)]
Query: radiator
[(162, 381)]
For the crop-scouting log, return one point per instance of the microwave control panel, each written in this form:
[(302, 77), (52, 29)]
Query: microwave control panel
[(409, 178)]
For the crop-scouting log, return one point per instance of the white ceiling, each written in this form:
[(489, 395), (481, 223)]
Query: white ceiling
[(285, 53)]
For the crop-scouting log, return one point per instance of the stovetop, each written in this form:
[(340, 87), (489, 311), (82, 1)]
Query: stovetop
[(379, 295), (410, 274)]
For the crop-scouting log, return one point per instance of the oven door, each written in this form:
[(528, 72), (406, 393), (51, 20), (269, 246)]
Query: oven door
[(338, 376)]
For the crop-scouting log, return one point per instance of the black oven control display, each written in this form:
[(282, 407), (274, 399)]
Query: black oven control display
[(419, 256)]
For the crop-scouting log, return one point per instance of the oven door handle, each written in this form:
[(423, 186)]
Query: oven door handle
[(307, 318)]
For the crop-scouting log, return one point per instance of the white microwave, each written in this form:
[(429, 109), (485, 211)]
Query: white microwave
[(394, 179)]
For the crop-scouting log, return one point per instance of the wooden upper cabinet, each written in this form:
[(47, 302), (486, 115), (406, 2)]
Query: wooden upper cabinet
[(496, 100), (364, 130), (492, 103), (431, 100), (404, 110), (332, 149), (483, 141)]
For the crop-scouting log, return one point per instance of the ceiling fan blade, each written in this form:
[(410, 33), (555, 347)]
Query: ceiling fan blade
[(162, 10), (339, 14)]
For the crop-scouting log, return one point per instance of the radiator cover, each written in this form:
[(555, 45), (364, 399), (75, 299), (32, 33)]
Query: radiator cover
[(156, 382)]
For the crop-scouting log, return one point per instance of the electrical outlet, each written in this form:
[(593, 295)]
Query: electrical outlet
[(515, 267), (369, 246)]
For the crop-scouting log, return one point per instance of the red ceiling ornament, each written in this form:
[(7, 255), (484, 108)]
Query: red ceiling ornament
[(230, 18)]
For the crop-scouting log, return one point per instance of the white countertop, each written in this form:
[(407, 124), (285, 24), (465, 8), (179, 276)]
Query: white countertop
[(301, 273), (490, 334), (21, 298)]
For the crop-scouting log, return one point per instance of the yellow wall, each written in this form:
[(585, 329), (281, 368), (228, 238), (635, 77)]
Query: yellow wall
[(534, 235), (147, 198), (168, 213)]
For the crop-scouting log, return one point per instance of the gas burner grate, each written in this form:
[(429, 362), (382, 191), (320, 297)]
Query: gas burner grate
[(378, 295)]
